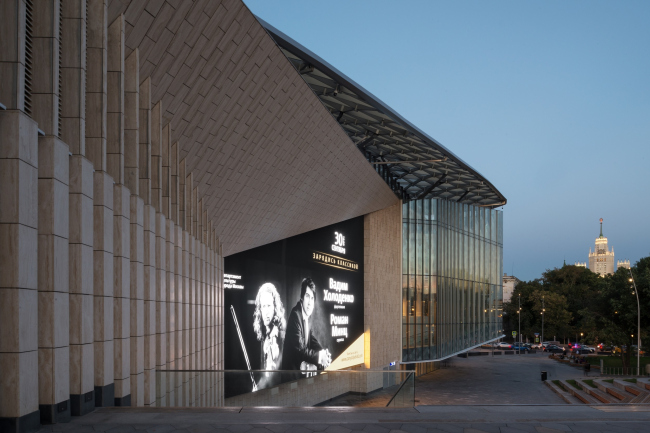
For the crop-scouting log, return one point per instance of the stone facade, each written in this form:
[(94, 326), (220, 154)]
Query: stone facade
[(509, 284), (139, 142)]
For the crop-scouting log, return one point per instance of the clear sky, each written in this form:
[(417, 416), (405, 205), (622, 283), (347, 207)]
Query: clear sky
[(549, 100)]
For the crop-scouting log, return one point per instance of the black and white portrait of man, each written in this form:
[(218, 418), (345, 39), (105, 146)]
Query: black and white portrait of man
[(302, 351)]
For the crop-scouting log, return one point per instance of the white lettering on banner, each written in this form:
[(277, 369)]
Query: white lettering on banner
[(339, 243), (339, 332), (230, 282), (338, 320), (339, 298), (338, 285)]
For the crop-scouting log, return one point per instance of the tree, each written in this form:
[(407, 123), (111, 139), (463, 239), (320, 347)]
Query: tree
[(580, 287), (614, 310), (577, 301), (557, 317)]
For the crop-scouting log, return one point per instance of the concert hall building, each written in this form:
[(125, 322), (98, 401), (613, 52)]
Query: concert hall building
[(169, 167)]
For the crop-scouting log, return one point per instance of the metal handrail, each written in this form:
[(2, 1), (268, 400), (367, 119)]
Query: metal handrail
[(400, 388)]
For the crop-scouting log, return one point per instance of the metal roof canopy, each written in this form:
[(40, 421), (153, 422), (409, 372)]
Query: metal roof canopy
[(412, 163)]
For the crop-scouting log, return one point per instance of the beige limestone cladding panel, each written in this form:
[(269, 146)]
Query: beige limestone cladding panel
[(115, 100), (81, 368), (136, 314), (174, 182), (12, 56), (119, 306), (83, 326), (96, 83), (45, 50), (225, 85), (19, 192), (161, 300), (144, 137), (19, 392), (170, 280), (53, 271), (156, 156), (178, 300), (122, 241), (382, 282), (165, 150), (73, 76), (185, 297), (19, 257), (149, 301), (53, 375), (103, 278), (132, 122)]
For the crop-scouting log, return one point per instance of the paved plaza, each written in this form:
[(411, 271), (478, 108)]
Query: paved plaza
[(503, 379), (421, 419), (501, 394)]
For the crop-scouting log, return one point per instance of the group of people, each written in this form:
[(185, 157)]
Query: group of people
[(287, 345)]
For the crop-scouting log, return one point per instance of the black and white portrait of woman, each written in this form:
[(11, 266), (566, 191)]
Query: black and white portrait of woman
[(269, 325)]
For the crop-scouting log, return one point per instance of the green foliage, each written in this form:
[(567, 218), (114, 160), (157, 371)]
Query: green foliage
[(576, 300), (574, 384), (616, 361), (590, 382)]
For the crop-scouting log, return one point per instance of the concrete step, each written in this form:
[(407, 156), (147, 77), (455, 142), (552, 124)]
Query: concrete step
[(643, 383), (636, 389), (611, 389), (568, 398), (579, 393), (599, 395)]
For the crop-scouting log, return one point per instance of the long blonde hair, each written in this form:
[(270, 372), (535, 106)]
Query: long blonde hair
[(278, 311)]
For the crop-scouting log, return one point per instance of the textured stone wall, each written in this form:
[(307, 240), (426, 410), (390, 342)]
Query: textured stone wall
[(141, 141), (382, 286), (382, 297)]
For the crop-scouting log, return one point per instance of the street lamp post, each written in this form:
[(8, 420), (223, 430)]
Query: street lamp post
[(519, 314), (638, 331), (543, 310)]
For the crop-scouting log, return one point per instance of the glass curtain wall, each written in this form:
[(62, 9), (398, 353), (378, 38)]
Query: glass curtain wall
[(452, 284)]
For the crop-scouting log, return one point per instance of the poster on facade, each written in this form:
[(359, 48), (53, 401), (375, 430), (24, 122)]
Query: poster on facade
[(294, 305)]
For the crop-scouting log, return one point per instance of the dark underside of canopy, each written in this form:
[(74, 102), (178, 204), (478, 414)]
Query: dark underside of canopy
[(413, 164)]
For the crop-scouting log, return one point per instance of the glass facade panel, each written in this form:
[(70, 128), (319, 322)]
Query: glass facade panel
[(452, 289)]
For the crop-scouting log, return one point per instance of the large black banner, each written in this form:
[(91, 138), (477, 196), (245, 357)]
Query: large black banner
[(295, 304)]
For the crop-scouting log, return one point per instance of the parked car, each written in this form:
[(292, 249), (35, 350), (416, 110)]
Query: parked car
[(537, 346), (522, 347), (504, 345), (552, 348), (579, 349), (590, 349)]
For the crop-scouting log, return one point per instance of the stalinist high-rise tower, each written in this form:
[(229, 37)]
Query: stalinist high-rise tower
[(601, 261)]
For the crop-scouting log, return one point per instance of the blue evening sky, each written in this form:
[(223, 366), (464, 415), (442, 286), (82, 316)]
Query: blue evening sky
[(549, 100)]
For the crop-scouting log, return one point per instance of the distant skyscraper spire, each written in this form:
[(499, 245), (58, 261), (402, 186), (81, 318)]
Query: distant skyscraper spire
[(601, 261), (601, 227)]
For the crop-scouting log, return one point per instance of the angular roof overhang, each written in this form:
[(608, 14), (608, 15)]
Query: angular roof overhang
[(266, 159), (412, 163)]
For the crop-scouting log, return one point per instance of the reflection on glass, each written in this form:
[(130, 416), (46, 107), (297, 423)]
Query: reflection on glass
[(452, 283)]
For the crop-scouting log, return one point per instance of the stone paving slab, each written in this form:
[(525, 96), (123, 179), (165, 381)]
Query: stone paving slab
[(508, 383), (494, 380), (422, 419)]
